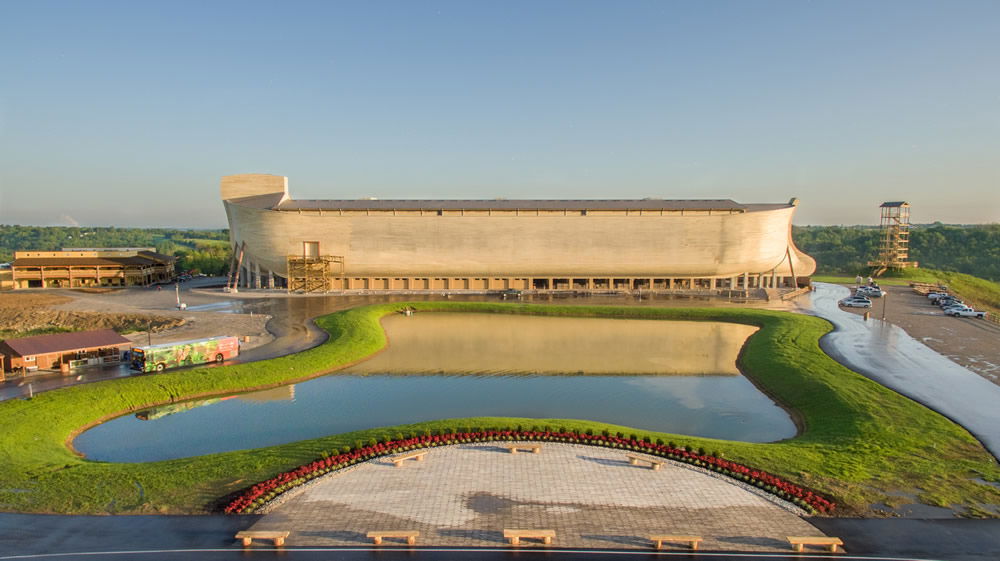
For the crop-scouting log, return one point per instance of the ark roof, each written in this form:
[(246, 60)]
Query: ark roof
[(522, 204)]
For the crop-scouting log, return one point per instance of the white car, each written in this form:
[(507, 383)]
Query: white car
[(965, 312), (855, 302), (871, 291)]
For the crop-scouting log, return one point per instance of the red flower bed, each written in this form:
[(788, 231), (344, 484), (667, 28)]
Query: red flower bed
[(258, 495)]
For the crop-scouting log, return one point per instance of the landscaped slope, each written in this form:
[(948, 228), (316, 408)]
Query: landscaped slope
[(859, 439)]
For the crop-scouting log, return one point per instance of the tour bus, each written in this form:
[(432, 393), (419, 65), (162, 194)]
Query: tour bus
[(185, 353)]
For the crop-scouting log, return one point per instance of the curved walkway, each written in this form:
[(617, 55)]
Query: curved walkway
[(465, 495), (887, 354)]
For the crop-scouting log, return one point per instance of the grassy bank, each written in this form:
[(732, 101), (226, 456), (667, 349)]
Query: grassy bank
[(982, 293), (859, 441)]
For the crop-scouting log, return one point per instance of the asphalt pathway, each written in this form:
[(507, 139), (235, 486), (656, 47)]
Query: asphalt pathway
[(168, 538), (888, 355)]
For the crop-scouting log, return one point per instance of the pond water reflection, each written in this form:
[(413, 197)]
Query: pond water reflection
[(446, 343), (670, 376)]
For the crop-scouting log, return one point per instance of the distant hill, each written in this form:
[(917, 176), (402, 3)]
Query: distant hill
[(205, 251), (973, 249)]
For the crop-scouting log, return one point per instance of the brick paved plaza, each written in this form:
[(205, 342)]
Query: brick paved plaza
[(465, 495)]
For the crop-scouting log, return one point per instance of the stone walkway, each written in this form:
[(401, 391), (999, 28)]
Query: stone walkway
[(465, 495)]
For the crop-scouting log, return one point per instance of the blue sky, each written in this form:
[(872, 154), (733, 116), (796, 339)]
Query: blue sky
[(127, 113)]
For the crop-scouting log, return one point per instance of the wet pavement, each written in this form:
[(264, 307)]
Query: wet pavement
[(888, 355), (163, 538), (954, 540), (30, 385)]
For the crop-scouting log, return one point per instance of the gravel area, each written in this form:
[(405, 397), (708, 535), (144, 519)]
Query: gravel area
[(206, 316)]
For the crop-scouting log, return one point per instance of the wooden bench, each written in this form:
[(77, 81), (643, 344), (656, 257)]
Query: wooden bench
[(248, 536), (654, 464), (535, 448), (418, 456), (692, 541), (410, 535), (799, 541), (515, 535)]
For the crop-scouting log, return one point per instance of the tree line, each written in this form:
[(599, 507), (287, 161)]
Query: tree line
[(971, 249), (974, 250), (200, 251)]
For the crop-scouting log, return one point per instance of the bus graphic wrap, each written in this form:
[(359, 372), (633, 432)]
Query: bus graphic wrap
[(157, 358)]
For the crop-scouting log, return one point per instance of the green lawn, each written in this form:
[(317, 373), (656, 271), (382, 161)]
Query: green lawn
[(859, 440), (839, 279)]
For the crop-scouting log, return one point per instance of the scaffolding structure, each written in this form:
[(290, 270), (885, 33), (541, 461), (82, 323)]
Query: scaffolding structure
[(894, 244), (313, 273)]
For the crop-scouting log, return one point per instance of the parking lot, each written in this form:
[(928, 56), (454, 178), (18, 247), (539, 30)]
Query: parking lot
[(972, 343)]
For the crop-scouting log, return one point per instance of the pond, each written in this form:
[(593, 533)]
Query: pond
[(676, 377)]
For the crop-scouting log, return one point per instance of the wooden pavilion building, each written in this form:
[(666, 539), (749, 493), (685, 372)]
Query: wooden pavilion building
[(92, 267)]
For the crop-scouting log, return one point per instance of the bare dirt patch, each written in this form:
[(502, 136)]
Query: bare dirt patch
[(28, 313)]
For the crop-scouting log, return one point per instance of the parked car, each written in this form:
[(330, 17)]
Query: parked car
[(933, 296), (965, 312), (856, 302), (945, 302), (871, 291)]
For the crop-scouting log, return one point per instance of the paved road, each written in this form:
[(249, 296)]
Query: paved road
[(170, 538), (887, 354)]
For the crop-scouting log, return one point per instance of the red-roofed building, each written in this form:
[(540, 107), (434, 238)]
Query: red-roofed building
[(51, 352)]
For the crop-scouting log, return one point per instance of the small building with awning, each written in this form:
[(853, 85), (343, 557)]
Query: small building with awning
[(63, 351)]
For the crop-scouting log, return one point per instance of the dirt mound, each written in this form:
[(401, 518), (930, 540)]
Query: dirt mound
[(30, 313), (26, 321)]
